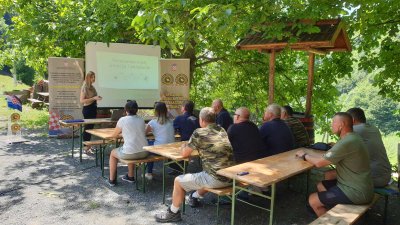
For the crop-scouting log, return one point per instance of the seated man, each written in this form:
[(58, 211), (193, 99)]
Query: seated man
[(186, 123), (350, 156), (244, 136), (299, 132), (223, 117), (215, 151), (379, 162), (275, 133), (132, 128)]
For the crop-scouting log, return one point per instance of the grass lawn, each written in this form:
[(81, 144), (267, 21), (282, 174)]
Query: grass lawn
[(30, 118)]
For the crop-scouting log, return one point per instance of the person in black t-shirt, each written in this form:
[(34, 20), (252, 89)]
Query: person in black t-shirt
[(223, 118), (244, 137), (186, 123), (276, 135)]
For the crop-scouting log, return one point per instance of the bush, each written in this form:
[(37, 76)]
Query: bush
[(24, 73)]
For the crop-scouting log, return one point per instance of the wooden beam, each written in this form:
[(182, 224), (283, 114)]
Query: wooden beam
[(271, 81), (311, 60), (317, 51)]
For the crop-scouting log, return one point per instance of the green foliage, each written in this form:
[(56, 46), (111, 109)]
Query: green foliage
[(378, 41), (206, 33), (24, 73), (379, 110)]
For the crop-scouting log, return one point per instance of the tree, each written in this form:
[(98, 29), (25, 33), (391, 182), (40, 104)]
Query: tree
[(378, 109), (206, 33)]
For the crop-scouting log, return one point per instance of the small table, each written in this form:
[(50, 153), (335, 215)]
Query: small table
[(80, 124), (171, 151), (105, 134), (266, 172)]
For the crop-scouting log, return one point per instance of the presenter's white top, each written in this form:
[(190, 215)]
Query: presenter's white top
[(164, 133), (133, 132)]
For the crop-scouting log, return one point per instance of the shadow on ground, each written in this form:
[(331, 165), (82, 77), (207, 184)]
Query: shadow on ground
[(42, 184)]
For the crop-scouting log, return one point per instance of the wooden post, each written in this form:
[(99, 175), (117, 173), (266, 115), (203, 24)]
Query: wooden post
[(311, 60), (271, 77)]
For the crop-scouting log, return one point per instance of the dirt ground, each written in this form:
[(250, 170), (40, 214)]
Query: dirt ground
[(40, 183)]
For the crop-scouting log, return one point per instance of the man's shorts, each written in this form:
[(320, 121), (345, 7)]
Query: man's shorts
[(333, 195), (138, 155), (196, 181)]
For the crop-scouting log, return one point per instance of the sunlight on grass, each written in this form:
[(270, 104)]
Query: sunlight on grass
[(30, 118)]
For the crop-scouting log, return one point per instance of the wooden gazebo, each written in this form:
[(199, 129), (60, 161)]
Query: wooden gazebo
[(332, 37)]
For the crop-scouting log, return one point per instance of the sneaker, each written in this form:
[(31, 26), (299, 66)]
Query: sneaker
[(128, 179), (168, 216), (192, 201), (112, 183), (149, 176)]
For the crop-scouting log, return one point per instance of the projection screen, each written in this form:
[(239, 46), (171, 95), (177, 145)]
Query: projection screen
[(124, 72)]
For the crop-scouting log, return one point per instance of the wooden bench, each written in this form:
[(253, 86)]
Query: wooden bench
[(142, 163), (226, 191), (343, 214), (94, 143), (36, 102)]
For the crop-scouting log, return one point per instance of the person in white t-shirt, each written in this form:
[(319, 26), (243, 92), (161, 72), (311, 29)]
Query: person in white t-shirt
[(132, 128), (163, 131)]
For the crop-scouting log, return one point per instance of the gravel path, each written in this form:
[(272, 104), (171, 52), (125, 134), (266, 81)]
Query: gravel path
[(40, 183)]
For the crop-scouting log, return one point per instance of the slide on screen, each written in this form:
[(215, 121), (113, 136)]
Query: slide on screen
[(124, 71)]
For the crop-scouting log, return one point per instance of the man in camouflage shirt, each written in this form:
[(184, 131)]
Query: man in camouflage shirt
[(299, 132), (215, 151)]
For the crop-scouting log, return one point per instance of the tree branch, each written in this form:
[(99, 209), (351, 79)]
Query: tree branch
[(209, 60)]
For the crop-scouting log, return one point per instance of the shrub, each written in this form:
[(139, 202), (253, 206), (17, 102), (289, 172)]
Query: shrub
[(24, 73)]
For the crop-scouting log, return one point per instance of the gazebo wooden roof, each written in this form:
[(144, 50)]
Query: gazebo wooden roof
[(331, 37)]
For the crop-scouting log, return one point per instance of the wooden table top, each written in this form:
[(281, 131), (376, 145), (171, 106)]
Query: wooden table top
[(104, 133), (88, 121), (43, 93), (171, 150), (269, 170)]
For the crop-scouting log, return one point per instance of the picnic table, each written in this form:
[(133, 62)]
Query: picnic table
[(105, 134), (266, 172), (80, 124), (173, 152)]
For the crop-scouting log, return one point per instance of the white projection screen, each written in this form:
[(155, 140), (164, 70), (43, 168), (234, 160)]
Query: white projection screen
[(124, 72)]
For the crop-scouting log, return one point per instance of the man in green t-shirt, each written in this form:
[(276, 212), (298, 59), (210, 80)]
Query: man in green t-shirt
[(353, 183), (215, 152)]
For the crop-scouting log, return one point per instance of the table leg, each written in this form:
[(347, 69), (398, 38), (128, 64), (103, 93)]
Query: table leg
[(184, 172), (233, 201), (102, 149), (81, 140), (73, 140), (307, 184), (163, 180), (271, 213)]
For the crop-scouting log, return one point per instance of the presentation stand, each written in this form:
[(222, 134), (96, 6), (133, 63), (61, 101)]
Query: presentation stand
[(65, 81), (174, 83)]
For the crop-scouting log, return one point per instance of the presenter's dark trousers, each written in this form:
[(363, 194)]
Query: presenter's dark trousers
[(89, 112)]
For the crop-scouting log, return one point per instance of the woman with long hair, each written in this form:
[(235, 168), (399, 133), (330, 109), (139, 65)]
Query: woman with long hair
[(89, 100), (163, 131)]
